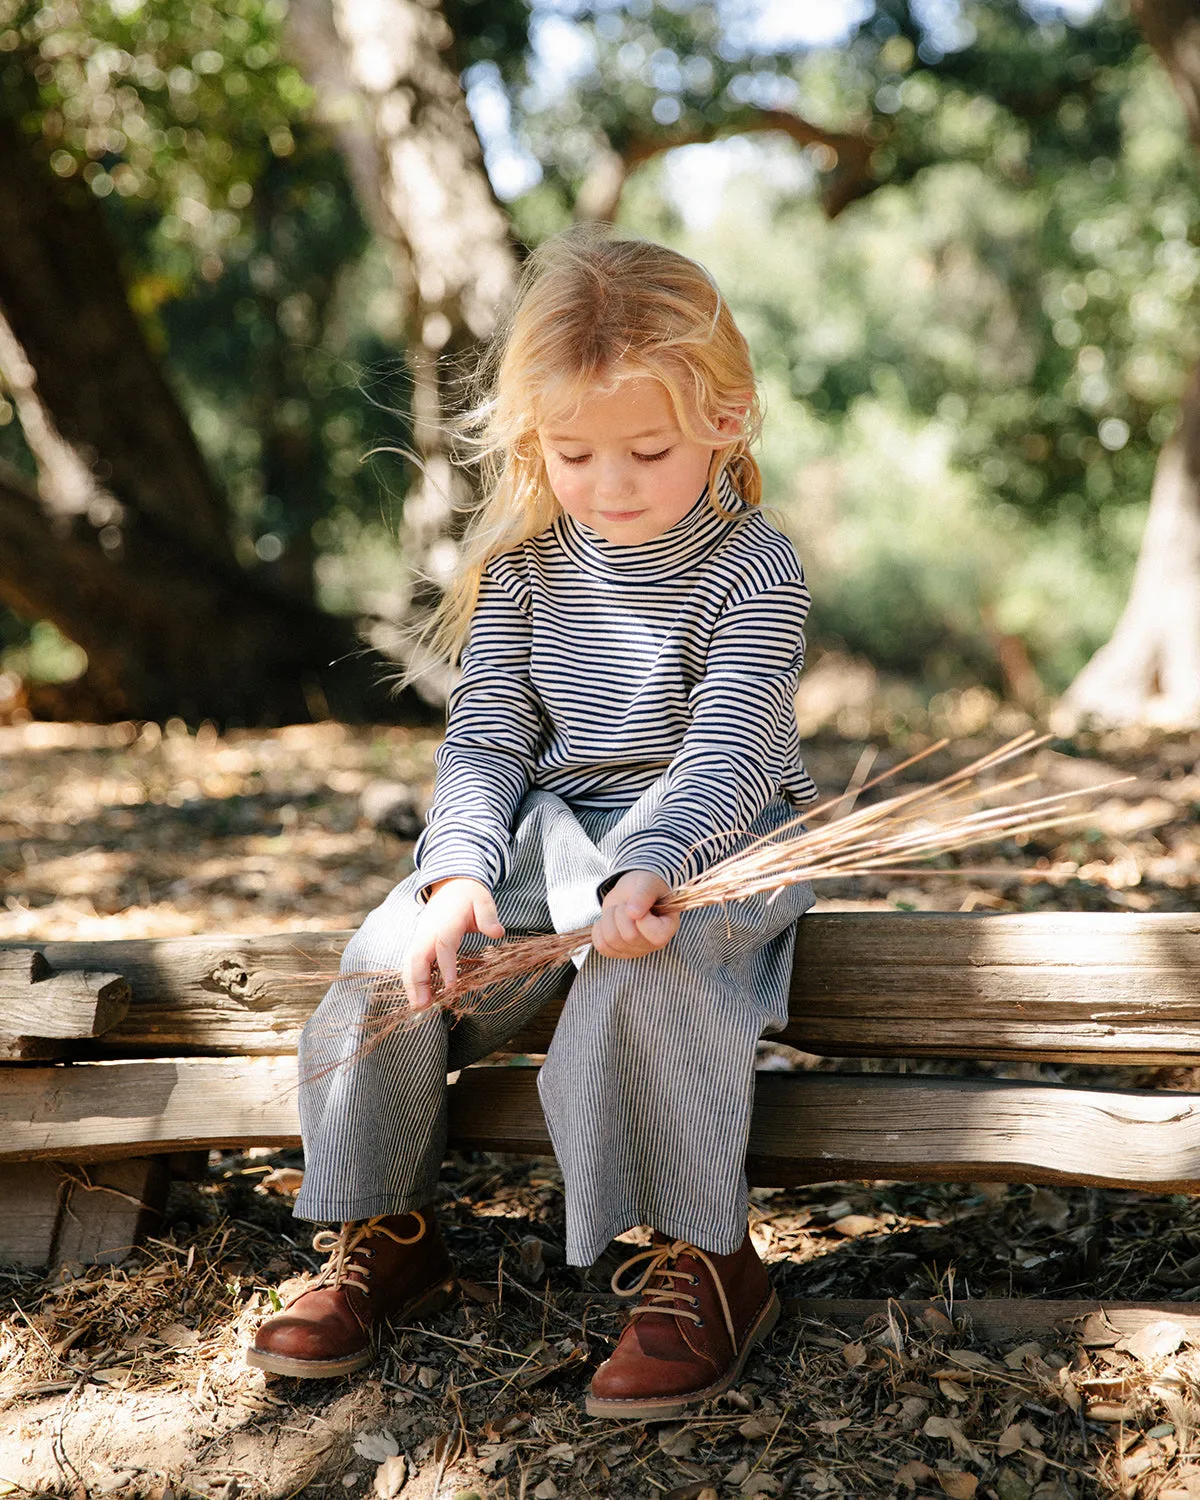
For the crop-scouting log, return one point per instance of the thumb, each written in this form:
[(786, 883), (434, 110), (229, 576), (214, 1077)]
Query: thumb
[(486, 919)]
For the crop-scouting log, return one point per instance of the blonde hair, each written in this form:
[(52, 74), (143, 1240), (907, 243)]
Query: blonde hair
[(591, 310)]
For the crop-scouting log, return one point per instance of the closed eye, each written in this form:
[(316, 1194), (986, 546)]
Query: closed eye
[(651, 458), (579, 458)]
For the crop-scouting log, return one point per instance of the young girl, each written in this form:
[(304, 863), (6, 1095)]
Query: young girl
[(624, 717)]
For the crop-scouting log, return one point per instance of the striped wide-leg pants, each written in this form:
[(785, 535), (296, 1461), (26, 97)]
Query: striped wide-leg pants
[(648, 1083)]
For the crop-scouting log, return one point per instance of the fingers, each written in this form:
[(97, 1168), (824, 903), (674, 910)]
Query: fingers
[(617, 933), (658, 931), (455, 907), (417, 975), (486, 920), (447, 959)]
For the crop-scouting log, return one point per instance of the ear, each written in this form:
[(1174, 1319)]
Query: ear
[(732, 426)]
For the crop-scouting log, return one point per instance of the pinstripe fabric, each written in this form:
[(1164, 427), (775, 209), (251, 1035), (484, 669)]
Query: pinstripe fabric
[(619, 708), (648, 1083)]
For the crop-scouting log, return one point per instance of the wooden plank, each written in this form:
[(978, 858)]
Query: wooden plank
[(79, 1003), (806, 1128), (20, 966), (834, 1126), (1087, 1322), (59, 1211), (30, 1194), (1066, 939), (38, 1006), (100, 1111), (107, 1208), (216, 994), (1063, 986)]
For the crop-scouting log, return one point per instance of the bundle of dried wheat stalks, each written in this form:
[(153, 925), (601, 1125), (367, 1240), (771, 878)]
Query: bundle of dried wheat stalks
[(957, 812)]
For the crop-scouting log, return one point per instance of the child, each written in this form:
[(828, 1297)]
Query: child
[(624, 717)]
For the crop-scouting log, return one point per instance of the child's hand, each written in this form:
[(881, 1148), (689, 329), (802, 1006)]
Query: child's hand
[(626, 927), (454, 908)]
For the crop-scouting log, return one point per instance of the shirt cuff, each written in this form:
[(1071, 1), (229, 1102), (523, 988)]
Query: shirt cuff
[(642, 851), (453, 854)]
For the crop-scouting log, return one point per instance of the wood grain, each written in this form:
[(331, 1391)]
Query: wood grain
[(806, 1128), (79, 1003), (1087, 1322), (30, 1193), (1062, 986), (56, 1211)]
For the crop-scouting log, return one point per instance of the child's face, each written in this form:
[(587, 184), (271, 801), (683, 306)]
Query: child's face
[(620, 463)]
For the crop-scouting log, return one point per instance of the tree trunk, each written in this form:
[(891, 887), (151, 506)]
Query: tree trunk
[(63, 296), (124, 544), (1149, 672), (387, 83), (168, 634)]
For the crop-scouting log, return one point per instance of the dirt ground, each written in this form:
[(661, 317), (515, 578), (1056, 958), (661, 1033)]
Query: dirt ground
[(129, 1380)]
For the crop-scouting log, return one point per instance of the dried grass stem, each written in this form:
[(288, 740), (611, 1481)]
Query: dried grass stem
[(922, 823)]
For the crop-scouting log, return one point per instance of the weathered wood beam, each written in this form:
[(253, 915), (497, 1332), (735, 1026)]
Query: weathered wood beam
[(39, 1007), (806, 1128), (1064, 987), (73, 1005), (59, 1211), (1084, 1321)]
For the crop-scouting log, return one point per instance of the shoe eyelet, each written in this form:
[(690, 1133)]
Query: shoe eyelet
[(699, 1322), (693, 1281)]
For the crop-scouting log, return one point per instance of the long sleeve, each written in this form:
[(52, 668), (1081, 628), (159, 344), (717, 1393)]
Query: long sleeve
[(741, 740), (494, 728)]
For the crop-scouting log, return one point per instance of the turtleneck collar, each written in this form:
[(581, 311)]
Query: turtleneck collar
[(696, 534)]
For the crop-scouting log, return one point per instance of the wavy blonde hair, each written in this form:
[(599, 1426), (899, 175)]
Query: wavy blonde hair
[(593, 309)]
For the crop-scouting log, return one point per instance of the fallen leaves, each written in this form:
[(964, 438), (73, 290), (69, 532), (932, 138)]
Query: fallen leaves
[(376, 1446), (390, 1477), (949, 1427), (1155, 1341), (852, 1226)]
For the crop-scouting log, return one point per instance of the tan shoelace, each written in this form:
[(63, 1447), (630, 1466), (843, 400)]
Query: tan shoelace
[(660, 1298), (340, 1245)]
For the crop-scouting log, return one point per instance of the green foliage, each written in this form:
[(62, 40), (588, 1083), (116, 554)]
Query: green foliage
[(173, 107), (970, 369), (973, 366), (247, 256)]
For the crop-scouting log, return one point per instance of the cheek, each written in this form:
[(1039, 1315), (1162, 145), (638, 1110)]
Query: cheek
[(569, 485)]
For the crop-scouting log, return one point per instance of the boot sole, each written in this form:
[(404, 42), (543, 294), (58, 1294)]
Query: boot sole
[(663, 1408), (424, 1306)]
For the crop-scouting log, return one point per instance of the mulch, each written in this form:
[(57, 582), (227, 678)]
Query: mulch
[(129, 1381)]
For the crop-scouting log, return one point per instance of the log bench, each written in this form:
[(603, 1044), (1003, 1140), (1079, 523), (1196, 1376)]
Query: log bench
[(123, 1060)]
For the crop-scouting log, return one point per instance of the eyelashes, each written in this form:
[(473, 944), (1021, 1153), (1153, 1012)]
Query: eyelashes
[(642, 458)]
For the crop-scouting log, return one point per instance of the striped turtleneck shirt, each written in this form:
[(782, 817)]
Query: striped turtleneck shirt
[(593, 669)]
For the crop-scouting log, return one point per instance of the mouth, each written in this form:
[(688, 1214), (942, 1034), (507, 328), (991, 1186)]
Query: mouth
[(620, 515)]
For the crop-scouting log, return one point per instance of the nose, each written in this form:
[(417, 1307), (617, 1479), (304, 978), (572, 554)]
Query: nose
[(614, 479)]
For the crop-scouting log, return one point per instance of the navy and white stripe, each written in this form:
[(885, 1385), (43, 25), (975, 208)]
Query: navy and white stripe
[(618, 707), (594, 669)]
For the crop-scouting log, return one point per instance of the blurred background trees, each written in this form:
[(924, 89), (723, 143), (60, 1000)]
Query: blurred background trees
[(961, 238)]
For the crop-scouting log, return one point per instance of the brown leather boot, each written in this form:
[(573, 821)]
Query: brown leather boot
[(690, 1335), (379, 1271)]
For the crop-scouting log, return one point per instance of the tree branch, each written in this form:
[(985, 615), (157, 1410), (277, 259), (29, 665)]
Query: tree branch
[(845, 180)]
